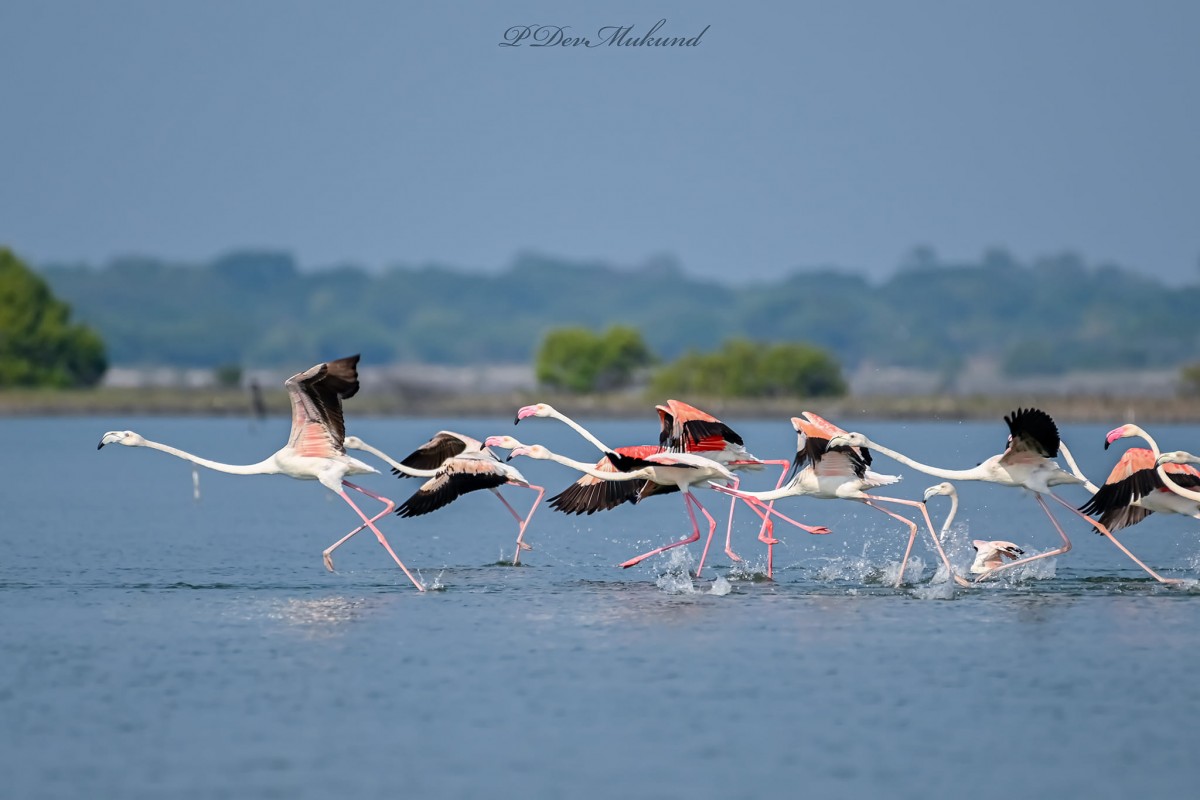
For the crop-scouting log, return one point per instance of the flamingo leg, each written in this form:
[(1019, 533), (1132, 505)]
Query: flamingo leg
[(523, 522), (388, 508), (378, 534), (1057, 551), (765, 533), (1107, 533), (932, 534), (695, 537), (729, 529)]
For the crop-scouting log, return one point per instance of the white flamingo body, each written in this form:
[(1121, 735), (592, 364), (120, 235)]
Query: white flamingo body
[(463, 465), (314, 450), (1026, 463)]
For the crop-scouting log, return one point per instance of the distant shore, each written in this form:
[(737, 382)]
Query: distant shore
[(228, 402)]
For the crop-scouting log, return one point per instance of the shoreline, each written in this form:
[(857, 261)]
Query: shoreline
[(218, 402)]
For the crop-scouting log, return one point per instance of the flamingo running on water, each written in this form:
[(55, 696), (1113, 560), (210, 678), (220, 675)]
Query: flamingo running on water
[(315, 449), (681, 471), (455, 465), (840, 472), (1026, 463), (989, 554)]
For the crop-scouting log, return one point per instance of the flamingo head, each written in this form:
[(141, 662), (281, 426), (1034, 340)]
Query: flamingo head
[(353, 443), (1177, 457), (535, 410), (1123, 432), (530, 451), (506, 442), (848, 440), (944, 488), (127, 438)]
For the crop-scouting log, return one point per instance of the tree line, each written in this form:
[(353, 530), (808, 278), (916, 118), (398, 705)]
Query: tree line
[(261, 309)]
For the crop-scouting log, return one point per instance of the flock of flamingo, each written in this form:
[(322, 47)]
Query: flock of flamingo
[(698, 451)]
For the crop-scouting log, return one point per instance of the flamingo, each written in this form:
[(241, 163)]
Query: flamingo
[(681, 471), (314, 450), (686, 429), (1025, 464), (830, 472), (1134, 489), (455, 465), (1173, 480), (988, 554)]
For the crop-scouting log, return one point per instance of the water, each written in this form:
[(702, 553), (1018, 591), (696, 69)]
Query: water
[(156, 646)]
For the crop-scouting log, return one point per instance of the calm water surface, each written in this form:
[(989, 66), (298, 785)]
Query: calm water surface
[(152, 645)]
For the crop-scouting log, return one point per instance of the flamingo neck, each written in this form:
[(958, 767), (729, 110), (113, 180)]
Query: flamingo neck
[(1066, 452), (266, 467), (582, 431), (588, 469), (396, 465), (949, 517), (1149, 440), (975, 474)]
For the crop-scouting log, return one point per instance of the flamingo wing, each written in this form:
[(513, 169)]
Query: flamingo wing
[(688, 429), (1131, 479), (458, 477), (813, 448), (590, 494), (1031, 431), (318, 428), (443, 446)]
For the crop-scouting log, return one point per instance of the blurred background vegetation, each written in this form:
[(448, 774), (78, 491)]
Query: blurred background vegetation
[(587, 326)]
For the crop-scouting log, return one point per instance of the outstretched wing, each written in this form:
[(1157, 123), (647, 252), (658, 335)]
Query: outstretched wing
[(1133, 477), (1031, 430), (318, 428), (686, 428), (458, 477), (443, 446), (812, 447)]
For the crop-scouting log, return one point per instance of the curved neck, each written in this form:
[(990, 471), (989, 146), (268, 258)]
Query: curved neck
[(582, 431), (949, 517), (1153, 444), (266, 467), (396, 465), (974, 474), (1066, 452), (1175, 487)]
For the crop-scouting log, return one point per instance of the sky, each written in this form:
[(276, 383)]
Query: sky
[(790, 135)]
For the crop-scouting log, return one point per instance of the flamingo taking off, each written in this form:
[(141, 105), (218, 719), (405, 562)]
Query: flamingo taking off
[(455, 464), (988, 554), (830, 472), (681, 471), (1026, 463), (1134, 489), (314, 450)]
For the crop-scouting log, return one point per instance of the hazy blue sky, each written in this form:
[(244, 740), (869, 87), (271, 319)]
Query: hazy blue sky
[(793, 134)]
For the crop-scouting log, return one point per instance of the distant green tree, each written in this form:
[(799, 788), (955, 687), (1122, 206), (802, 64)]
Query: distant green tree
[(576, 360), (1189, 380), (742, 368), (38, 344)]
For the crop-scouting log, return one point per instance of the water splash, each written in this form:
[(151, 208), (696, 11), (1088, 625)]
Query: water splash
[(678, 576), (720, 587)]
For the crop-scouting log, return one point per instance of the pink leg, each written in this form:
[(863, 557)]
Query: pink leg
[(933, 535), (764, 535), (695, 537), (1106, 532), (370, 524), (1057, 551), (388, 508), (522, 522)]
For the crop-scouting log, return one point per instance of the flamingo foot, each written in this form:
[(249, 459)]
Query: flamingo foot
[(524, 546), (633, 562), (729, 552), (820, 530), (768, 540), (328, 560)]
